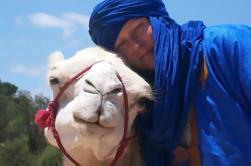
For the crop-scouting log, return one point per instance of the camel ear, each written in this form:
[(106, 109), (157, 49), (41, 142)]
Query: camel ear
[(55, 57)]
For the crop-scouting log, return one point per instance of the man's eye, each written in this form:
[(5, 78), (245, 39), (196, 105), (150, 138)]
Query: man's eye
[(122, 51)]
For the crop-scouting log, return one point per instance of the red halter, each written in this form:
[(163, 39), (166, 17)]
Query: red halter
[(46, 118)]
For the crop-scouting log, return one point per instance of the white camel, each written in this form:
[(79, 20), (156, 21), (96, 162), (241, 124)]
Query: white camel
[(90, 118)]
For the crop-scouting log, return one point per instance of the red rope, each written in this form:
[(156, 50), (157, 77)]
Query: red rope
[(124, 141), (61, 147), (46, 118)]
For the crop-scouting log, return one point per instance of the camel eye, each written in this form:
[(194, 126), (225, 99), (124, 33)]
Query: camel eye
[(54, 81), (144, 102)]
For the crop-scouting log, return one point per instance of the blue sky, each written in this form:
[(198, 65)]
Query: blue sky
[(32, 29)]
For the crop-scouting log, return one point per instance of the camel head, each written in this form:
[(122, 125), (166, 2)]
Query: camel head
[(90, 117)]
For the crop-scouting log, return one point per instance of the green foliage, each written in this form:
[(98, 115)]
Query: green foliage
[(22, 143), (50, 156), (8, 89)]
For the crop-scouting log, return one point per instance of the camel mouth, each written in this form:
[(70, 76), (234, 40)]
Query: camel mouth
[(97, 124), (79, 120)]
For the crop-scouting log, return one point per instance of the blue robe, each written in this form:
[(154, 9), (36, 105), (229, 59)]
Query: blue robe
[(223, 99), (222, 102)]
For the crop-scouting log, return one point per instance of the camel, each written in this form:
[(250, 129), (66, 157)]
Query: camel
[(91, 111)]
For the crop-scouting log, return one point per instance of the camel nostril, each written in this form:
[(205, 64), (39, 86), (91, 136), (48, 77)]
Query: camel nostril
[(91, 88), (116, 90), (90, 83)]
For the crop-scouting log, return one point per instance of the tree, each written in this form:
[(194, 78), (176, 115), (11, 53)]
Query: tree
[(22, 143), (7, 88)]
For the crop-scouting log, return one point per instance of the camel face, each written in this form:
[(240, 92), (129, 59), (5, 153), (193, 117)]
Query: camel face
[(91, 111)]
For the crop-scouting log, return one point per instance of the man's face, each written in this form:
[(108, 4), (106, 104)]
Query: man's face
[(135, 44)]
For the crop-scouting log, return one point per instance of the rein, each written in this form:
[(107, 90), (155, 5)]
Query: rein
[(47, 118)]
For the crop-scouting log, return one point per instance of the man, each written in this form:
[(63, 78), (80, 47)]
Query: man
[(197, 70)]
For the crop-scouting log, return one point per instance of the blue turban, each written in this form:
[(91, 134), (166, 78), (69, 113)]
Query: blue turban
[(177, 54), (109, 16)]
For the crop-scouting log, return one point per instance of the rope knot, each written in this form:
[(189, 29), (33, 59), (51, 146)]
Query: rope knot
[(53, 107), (46, 118)]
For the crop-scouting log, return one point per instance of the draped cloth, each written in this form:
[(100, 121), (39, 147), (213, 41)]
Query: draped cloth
[(223, 99), (177, 54)]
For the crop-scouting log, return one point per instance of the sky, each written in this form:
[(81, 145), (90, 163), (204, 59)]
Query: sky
[(30, 30)]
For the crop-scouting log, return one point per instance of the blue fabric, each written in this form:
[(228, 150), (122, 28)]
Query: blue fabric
[(223, 105), (178, 54), (109, 16)]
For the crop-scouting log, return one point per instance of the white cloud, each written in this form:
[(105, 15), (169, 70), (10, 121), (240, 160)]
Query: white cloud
[(68, 22), (33, 71), (68, 32), (46, 20), (77, 18)]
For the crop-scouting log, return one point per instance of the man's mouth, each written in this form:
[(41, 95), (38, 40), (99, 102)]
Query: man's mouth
[(146, 53)]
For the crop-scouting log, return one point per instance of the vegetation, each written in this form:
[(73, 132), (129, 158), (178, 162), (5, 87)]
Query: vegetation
[(22, 143)]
